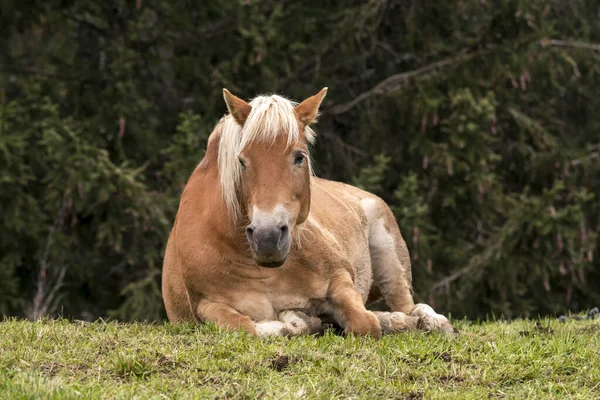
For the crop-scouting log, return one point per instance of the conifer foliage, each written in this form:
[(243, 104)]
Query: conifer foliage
[(477, 121)]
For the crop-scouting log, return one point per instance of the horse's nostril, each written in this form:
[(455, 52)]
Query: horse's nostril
[(249, 232), (284, 230), (283, 236)]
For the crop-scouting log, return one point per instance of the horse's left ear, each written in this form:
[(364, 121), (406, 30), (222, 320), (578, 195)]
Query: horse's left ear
[(307, 110)]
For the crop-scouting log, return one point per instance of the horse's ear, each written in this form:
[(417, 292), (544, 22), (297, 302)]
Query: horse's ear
[(237, 107), (307, 110)]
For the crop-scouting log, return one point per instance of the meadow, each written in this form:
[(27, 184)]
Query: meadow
[(59, 359)]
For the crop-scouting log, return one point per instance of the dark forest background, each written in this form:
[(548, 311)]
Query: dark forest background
[(477, 120)]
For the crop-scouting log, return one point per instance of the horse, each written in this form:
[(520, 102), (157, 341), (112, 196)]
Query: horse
[(261, 244)]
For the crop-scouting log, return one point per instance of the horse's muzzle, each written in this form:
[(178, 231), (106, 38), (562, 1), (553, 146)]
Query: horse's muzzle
[(270, 243)]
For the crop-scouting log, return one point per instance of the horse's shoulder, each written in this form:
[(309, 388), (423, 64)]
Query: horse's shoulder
[(337, 207), (345, 192)]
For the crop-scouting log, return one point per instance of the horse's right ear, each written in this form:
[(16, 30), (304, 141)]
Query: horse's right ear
[(237, 107)]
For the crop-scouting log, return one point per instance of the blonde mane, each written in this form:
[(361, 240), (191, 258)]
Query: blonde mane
[(271, 117)]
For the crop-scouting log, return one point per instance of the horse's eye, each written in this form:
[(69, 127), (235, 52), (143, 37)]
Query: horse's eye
[(242, 162), (299, 158)]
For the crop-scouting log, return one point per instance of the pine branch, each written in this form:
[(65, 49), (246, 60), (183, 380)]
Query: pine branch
[(395, 82), (451, 278), (566, 43), (481, 261), (335, 137), (37, 71)]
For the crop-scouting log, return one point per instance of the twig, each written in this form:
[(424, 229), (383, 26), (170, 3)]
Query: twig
[(396, 81), (451, 278), (593, 154), (46, 291), (45, 302), (333, 136), (566, 43), (476, 261)]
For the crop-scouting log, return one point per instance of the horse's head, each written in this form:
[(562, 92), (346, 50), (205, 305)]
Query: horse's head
[(273, 170)]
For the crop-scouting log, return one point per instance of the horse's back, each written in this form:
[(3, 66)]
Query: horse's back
[(343, 205), (373, 209)]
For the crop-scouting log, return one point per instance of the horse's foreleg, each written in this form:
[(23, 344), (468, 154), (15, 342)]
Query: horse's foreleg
[(290, 322), (393, 322), (224, 316), (422, 317), (349, 309), (429, 320)]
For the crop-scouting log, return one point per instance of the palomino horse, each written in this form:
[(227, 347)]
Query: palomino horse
[(261, 244)]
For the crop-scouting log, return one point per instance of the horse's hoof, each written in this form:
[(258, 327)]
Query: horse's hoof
[(298, 322)]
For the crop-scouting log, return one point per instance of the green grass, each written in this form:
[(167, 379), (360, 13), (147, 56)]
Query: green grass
[(521, 359)]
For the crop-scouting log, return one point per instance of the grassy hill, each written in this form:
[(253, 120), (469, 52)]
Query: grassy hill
[(520, 359)]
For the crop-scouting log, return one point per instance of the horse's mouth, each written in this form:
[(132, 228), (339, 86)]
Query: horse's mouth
[(275, 264)]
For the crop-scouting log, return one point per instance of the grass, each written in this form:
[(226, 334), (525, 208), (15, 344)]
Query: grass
[(521, 359)]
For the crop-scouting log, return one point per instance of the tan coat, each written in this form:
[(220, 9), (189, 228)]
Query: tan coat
[(345, 247)]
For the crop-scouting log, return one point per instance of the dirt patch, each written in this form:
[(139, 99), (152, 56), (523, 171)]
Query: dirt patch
[(445, 379), (166, 365), (590, 329), (445, 356), (281, 362), (106, 347), (141, 366), (413, 359), (539, 329), (205, 380), (51, 369), (414, 396)]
